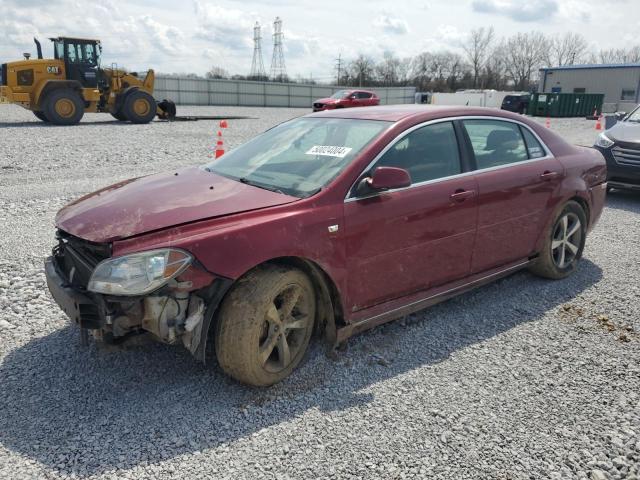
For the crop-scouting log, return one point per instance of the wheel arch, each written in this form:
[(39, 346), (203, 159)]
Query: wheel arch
[(329, 305), (50, 85), (585, 206), (580, 200)]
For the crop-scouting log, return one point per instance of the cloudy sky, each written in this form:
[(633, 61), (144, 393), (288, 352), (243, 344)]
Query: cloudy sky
[(192, 35)]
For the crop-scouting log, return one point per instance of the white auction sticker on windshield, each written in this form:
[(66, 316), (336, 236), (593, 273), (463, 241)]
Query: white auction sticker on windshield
[(329, 151)]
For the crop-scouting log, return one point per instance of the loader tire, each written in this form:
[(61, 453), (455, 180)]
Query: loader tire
[(41, 116), (63, 107), (119, 116), (139, 107)]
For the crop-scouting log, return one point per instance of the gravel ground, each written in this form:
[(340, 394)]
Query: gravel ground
[(524, 378)]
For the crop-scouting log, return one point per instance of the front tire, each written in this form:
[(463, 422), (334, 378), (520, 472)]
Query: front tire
[(63, 107), (264, 325), (41, 116), (119, 116), (563, 244), (139, 107)]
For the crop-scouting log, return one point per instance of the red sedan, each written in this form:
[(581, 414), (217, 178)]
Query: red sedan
[(334, 222), (347, 99)]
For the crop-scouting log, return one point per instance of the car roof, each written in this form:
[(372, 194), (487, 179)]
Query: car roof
[(395, 113)]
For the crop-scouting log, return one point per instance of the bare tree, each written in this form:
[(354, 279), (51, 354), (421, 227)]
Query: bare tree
[(495, 67), (387, 69), (567, 49), (524, 53), (217, 72), (477, 50), (361, 69), (420, 70)]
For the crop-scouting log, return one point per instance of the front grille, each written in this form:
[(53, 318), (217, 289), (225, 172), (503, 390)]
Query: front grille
[(77, 258), (3, 74), (627, 156)]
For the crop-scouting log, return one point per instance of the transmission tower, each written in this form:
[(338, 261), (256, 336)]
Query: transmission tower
[(339, 68), (278, 69), (257, 65)]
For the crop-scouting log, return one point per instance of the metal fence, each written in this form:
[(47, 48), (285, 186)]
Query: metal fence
[(190, 91)]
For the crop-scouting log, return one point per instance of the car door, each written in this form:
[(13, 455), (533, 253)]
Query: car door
[(516, 177), (365, 98), (407, 240)]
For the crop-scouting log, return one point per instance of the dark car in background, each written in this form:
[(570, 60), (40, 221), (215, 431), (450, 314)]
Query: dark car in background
[(347, 99), (516, 103), (620, 145)]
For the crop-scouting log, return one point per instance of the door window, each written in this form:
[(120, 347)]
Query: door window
[(364, 95), (534, 149), (495, 142), (428, 153)]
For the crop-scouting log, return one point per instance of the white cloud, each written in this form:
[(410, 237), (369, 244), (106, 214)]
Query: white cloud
[(390, 24), (518, 10)]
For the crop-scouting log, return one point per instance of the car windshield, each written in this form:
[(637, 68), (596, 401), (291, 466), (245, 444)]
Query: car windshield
[(340, 94), (298, 157), (634, 116)]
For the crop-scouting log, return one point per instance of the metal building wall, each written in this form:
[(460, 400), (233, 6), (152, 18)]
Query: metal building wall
[(610, 81), (188, 91)]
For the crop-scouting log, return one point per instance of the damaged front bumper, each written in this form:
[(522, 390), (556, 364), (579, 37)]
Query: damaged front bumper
[(179, 312)]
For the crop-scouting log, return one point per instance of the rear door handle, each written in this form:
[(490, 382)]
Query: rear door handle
[(548, 175), (462, 195)]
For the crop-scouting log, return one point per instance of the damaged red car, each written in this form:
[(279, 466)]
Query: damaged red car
[(330, 224)]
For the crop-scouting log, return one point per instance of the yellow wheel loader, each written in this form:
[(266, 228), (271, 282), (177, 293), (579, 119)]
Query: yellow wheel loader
[(62, 89)]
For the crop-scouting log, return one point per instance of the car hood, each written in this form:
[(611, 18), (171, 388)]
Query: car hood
[(159, 201), (625, 132)]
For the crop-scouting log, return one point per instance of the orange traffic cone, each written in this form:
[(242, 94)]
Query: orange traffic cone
[(223, 124), (548, 122), (599, 122), (219, 145)]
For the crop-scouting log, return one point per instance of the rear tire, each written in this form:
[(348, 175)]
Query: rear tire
[(139, 107), (63, 107), (264, 325), (41, 116), (563, 244)]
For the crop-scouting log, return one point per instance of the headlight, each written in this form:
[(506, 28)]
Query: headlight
[(138, 273), (604, 141)]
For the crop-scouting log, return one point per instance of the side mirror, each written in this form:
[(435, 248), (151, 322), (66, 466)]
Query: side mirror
[(384, 178)]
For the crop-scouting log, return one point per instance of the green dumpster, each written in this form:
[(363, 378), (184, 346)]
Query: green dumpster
[(565, 104)]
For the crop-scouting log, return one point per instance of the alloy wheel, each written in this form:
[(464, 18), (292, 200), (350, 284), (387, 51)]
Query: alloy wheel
[(286, 322), (566, 240)]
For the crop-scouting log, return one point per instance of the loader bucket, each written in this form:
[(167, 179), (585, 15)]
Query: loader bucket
[(167, 110)]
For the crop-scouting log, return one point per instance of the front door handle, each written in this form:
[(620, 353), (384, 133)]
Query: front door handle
[(462, 195), (548, 175)]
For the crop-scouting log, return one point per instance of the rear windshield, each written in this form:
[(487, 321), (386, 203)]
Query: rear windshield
[(298, 157)]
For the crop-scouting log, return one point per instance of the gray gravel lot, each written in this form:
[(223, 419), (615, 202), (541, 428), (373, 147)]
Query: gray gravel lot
[(522, 379)]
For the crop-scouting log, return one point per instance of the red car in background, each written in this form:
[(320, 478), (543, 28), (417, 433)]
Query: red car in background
[(347, 99), (334, 222)]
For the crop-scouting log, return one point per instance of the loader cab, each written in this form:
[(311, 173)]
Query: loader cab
[(81, 58)]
